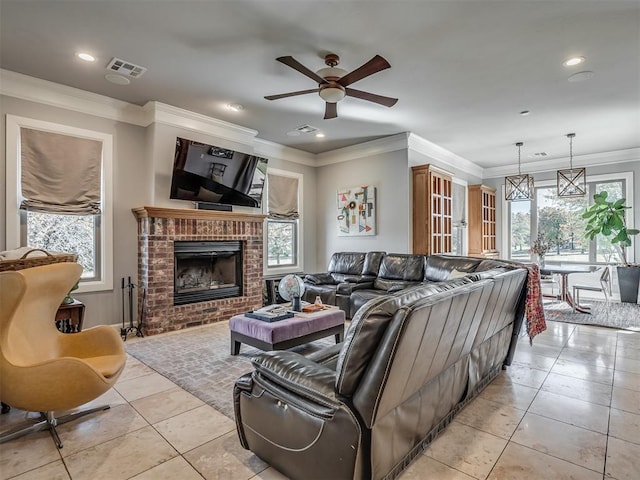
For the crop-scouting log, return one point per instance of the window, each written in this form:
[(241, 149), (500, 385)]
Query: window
[(283, 217), (57, 202), (559, 221)]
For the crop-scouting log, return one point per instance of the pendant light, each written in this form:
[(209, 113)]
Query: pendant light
[(518, 187), (572, 182)]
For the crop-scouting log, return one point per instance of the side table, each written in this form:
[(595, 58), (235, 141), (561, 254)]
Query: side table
[(69, 317)]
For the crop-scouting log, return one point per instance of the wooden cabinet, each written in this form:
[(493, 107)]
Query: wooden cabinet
[(432, 232), (482, 221)]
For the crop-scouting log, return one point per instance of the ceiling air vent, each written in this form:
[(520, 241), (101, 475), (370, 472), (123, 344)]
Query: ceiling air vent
[(307, 129), (125, 68), (539, 155)]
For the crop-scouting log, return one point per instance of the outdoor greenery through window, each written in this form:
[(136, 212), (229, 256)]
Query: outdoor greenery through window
[(281, 242), (558, 220), (66, 233)]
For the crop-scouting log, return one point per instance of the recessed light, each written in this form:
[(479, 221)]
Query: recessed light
[(581, 76), (117, 79), (570, 62), (86, 57), (319, 135), (524, 113), (236, 107)]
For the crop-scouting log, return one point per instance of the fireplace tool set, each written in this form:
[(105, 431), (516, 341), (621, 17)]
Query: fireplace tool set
[(124, 331)]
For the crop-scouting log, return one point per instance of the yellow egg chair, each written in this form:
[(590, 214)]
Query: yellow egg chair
[(42, 369)]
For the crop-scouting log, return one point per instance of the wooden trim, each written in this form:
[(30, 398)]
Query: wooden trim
[(190, 213)]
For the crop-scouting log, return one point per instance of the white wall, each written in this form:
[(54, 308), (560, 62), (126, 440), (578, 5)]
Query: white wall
[(388, 172)]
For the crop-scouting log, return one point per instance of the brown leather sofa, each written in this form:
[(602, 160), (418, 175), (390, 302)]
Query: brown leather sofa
[(366, 407)]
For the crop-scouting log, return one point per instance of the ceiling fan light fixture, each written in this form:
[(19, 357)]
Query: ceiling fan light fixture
[(332, 93)]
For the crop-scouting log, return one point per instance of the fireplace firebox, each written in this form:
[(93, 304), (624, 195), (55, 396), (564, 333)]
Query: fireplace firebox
[(206, 271)]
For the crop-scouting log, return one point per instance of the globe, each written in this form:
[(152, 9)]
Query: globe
[(291, 287)]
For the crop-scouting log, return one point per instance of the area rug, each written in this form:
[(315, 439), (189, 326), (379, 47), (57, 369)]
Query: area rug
[(199, 360), (614, 315)]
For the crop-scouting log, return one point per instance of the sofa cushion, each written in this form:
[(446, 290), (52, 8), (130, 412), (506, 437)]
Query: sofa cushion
[(319, 279), (438, 267), (399, 266), (476, 276), (372, 263), (347, 263)]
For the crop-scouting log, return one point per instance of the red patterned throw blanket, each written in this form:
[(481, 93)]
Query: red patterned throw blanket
[(534, 309)]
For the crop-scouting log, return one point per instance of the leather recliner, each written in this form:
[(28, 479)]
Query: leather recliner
[(347, 271), (365, 408)]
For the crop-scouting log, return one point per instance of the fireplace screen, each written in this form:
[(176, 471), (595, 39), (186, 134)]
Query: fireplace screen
[(207, 271)]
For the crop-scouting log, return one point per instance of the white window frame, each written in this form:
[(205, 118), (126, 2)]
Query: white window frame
[(13, 195), (627, 177), (299, 265)]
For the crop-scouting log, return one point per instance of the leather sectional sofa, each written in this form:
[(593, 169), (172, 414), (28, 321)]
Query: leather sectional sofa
[(411, 359), (354, 278)]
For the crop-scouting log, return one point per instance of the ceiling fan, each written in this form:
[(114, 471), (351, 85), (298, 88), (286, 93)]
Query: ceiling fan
[(333, 82)]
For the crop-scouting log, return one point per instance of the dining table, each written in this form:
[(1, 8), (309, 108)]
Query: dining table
[(564, 271)]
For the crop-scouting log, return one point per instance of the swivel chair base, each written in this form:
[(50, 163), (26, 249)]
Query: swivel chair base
[(47, 422)]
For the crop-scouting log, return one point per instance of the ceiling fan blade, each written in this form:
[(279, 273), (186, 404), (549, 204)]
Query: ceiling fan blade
[(331, 111), (372, 97), (296, 65), (374, 65), (291, 94)]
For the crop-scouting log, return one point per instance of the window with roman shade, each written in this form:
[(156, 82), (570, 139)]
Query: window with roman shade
[(282, 220), (60, 173), (283, 197)]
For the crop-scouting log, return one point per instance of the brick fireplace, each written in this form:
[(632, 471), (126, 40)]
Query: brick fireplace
[(158, 230)]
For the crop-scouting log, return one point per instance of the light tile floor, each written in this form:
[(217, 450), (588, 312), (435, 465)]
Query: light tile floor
[(568, 408)]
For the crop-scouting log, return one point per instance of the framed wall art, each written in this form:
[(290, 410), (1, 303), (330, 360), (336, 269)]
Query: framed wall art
[(357, 211)]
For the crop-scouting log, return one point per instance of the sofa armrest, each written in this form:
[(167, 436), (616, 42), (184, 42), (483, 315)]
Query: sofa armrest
[(346, 288), (299, 375), (319, 279)]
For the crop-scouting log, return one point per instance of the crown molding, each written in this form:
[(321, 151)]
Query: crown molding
[(33, 89), (282, 152), (548, 165), (442, 156), (366, 149), (157, 112)]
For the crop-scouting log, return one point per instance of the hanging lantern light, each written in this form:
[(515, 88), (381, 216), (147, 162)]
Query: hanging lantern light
[(572, 182), (518, 187)]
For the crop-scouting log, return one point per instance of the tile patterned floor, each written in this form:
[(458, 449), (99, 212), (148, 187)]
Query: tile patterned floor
[(568, 408)]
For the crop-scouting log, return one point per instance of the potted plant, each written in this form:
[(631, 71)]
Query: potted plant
[(606, 217)]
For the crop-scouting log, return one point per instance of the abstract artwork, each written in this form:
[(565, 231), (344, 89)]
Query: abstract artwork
[(357, 211)]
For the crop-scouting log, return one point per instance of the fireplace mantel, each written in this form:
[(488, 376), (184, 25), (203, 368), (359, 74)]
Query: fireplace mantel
[(193, 214), (158, 229)]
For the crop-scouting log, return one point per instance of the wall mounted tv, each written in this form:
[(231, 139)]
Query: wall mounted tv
[(214, 176)]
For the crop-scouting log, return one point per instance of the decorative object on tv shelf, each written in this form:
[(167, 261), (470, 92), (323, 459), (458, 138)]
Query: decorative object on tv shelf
[(540, 248), (518, 187), (357, 211), (572, 182), (291, 288)]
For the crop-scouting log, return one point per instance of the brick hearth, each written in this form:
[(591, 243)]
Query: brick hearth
[(158, 229)]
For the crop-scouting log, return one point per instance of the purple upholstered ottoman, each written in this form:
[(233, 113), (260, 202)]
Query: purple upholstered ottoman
[(302, 328)]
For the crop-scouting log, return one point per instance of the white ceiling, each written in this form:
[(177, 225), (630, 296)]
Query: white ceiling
[(462, 70)]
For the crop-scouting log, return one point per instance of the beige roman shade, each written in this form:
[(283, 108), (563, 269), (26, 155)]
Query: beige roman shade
[(283, 197), (60, 173)]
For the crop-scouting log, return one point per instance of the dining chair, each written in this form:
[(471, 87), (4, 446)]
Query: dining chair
[(605, 288)]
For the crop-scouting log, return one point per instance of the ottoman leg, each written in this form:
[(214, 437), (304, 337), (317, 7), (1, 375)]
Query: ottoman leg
[(235, 345)]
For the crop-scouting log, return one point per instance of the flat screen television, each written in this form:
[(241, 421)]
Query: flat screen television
[(211, 175)]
